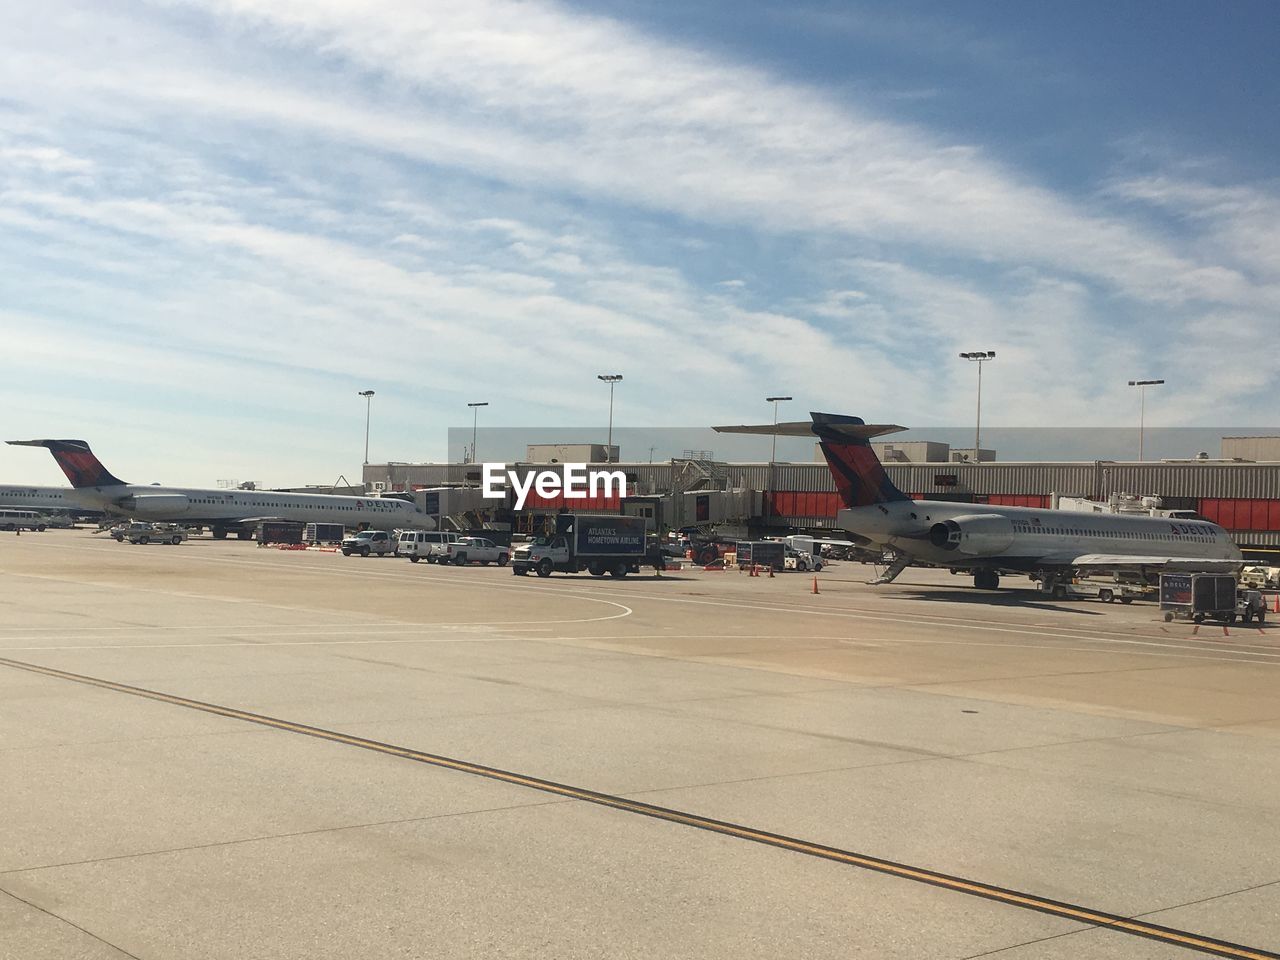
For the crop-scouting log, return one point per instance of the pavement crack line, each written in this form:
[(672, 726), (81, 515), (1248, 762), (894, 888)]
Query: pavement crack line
[(1216, 896), (69, 923), (975, 888), (1071, 933), (266, 837), (1028, 943)]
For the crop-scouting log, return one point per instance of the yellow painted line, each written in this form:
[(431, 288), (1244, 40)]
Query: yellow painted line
[(1027, 901)]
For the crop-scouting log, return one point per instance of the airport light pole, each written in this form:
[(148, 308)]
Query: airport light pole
[(1142, 408), (611, 379), (368, 409), (980, 357), (475, 419), (773, 450)]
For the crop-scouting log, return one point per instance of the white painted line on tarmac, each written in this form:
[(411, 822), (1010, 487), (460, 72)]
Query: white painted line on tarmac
[(625, 610)]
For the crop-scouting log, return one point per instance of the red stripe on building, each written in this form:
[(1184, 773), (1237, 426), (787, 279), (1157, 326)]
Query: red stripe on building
[(1242, 514)]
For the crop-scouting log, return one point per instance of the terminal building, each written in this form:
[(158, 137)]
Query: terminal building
[(1240, 493)]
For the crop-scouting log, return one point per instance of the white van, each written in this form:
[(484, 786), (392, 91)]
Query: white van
[(13, 519), (429, 545)]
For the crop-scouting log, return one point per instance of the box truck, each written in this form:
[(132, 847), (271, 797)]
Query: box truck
[(600, 545)]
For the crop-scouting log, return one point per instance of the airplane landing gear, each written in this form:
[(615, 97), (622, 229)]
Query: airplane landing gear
[(984, 579)]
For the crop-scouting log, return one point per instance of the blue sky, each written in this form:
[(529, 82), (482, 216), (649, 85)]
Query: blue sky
[(220, 219)]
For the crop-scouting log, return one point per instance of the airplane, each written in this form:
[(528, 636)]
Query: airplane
[(45, 499), (222, 510), (1049, 545)]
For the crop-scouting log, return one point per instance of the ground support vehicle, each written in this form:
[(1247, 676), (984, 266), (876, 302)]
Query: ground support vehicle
[(762, 553), (1260, 578), (802, 561), (708, 551), (323, 533), (599, 545), (429, 545), (1108, 591), (1251, 606), (280, 531), (1198, 596), (475, 550), (11, 519), (368, 542), (142, 532)]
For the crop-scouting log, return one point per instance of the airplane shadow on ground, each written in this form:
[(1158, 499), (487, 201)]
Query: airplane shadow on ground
[(1021, 599)]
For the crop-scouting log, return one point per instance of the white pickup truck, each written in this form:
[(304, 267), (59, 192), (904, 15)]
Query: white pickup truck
[(476, 550), (1260, 578), (801, 560), (429, 545), (142, 532), (370, 541)]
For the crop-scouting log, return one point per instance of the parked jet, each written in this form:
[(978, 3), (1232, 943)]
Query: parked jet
[(1051, 545), (45, 499), (222, 510)]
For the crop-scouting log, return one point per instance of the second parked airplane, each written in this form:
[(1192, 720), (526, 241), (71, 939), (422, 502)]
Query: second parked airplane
[(987, 540)]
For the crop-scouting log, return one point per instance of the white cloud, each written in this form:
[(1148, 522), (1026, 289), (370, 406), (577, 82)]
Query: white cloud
[(542, 94), (49, 159), (532, 92), (1241, 225), (520, 193)]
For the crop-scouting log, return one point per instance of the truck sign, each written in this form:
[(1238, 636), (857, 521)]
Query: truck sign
[(609, 535)]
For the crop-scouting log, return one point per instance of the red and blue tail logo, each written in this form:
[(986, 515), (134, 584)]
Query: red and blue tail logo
[(77, 461), (859, 475)]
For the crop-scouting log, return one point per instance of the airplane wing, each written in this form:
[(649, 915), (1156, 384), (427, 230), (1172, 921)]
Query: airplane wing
[(804, 428), (1106, 561)]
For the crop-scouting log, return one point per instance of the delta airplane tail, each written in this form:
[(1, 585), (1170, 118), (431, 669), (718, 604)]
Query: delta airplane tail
[(77, 461), (859, 474), (860, 477)]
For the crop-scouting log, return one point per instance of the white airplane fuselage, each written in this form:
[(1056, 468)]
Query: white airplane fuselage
[(227, 507), (42, 498), (966, 535)]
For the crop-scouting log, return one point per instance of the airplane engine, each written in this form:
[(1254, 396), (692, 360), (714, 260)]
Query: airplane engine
[(975, 535), (156, 504)]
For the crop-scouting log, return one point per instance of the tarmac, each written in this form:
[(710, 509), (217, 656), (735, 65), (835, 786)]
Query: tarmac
[(216, 750)]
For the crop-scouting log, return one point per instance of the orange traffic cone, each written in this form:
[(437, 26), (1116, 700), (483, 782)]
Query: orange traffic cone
[(815, 584)]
